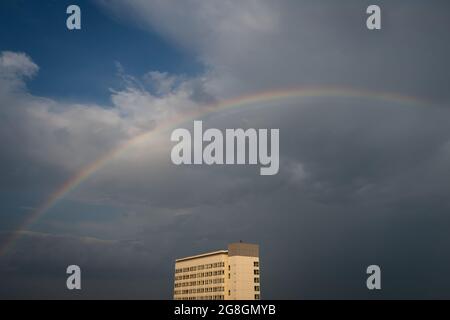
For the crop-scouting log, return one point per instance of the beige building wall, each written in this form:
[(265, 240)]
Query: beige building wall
[(231, 274), (242, 280)]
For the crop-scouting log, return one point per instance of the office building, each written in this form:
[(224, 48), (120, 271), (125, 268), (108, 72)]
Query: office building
[(232, 274)]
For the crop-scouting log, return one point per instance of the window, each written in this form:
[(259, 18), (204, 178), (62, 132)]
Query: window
[(256, 271), (256, 296), (256, 264), (229, 292), (256, 288), (256, 280)]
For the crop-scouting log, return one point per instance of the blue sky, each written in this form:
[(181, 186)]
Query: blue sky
[(76, 67), (81, 65)]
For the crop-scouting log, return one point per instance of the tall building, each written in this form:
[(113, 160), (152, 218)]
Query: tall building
[(232, 274)]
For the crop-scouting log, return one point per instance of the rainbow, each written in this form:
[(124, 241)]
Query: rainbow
[(242, 101)]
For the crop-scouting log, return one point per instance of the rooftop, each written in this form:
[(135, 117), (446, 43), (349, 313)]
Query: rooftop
[(203, 255)]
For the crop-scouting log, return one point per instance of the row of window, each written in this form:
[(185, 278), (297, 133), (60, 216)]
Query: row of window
[(215, 297), (200, 275), (199, 282), (206, 282), (208, 289), (220, 264), (199, 290)]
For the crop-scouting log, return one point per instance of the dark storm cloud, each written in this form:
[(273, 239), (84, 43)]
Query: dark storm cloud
[(36, 268), (372, 190), (377, 198), (361, 181), (322, 43)]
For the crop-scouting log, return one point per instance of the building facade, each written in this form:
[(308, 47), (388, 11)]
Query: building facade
[(232, 274)]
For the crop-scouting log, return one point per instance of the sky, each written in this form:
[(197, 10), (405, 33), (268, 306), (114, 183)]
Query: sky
[(363, 179)]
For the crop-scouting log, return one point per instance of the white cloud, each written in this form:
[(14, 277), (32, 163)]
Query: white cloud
[(224, 35), (14, 69), (18, 64), (200, 24), (70, 135)]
